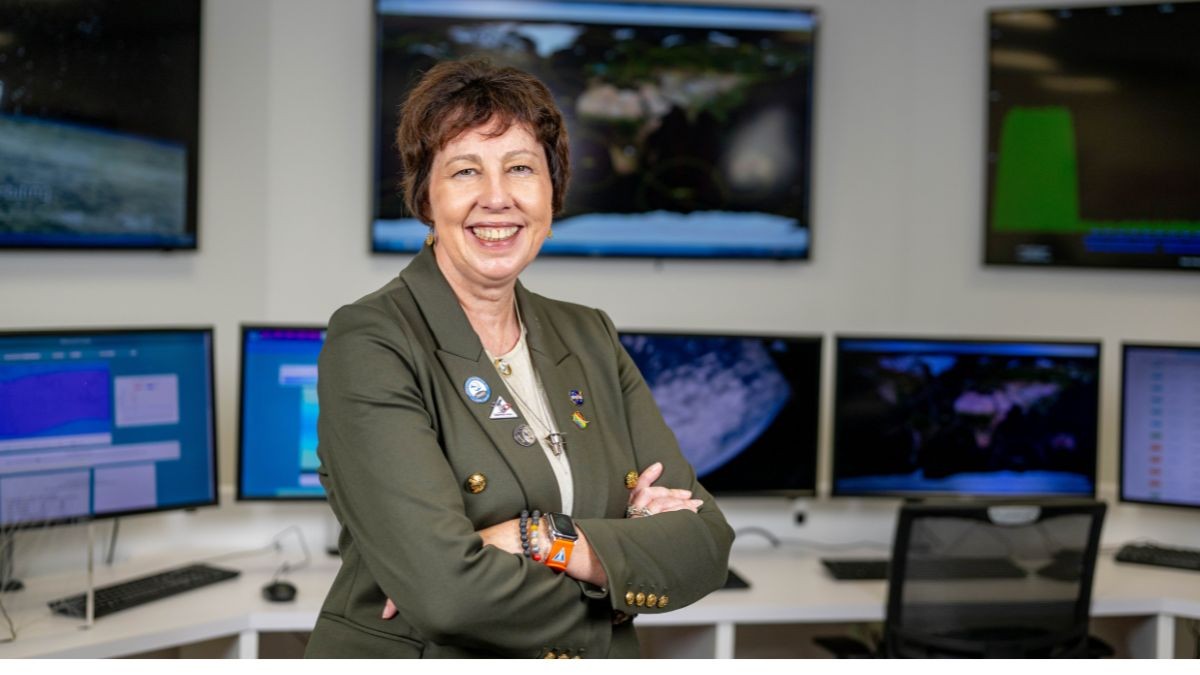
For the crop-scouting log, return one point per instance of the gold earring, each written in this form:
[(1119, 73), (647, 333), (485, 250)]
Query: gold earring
[(550, 233), (429, 238)]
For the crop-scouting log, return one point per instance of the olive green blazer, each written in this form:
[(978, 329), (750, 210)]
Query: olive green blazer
[(399, 438)]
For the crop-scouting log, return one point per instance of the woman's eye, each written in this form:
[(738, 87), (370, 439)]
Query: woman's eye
[(465, 172), (522, 168)]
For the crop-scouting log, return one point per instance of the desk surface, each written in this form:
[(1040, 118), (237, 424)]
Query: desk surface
[(786, 587)]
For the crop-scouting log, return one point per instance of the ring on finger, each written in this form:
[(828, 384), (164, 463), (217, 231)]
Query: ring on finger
[(632, 511)]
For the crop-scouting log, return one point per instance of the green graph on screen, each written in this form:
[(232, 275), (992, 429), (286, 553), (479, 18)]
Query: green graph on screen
[(1037, 179)]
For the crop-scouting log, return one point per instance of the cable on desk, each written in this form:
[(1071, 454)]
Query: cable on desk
[(842, 546), (776, 542), (762, 532), (273, 546), (286, 566), (12, 630)]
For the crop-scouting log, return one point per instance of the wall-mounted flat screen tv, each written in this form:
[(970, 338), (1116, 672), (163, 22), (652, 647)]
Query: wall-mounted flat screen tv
[(1093, 150), (99, 123), (690, 125)]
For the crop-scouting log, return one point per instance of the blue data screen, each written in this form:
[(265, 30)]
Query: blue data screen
[(279, 413), (105, 423)]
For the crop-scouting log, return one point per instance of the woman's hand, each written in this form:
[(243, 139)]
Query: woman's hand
[(505, 536), (646, 499)]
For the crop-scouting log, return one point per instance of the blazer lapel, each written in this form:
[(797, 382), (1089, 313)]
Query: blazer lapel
[(462, 357), (562, 373)]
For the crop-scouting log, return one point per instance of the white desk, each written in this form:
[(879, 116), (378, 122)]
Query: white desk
[(788, 588)]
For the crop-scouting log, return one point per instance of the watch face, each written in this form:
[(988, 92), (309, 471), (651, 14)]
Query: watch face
[(563, 525)]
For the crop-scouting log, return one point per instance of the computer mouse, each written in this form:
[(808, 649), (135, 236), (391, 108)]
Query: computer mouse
[(279, 591)]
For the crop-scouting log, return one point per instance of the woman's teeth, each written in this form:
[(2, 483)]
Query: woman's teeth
[(494, 233)]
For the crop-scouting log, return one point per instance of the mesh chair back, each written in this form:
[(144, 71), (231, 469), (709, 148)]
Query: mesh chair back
[(992, 580)]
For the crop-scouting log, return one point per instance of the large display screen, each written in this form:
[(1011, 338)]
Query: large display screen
[(744, 408), (964, 417), (99, 123), (690, 125), (1160, 425), (1092, 143), (105, 423), (277, 447)]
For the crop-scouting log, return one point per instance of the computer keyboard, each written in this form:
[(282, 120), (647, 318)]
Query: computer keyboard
[(955, 568), (127, 594), (1162, 556), (856, 569)]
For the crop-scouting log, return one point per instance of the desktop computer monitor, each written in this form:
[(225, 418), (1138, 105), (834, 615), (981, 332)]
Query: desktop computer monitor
[(105, 423), (743, 407), (277, 441), (1160, 425), (971, 418)]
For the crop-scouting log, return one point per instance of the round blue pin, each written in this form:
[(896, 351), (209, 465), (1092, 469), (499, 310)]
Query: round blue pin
[(477, 389)]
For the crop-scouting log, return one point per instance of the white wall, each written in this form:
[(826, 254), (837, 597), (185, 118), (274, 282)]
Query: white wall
[(285, 171)]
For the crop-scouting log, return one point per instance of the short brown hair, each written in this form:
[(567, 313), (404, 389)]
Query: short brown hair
[(455, 96)]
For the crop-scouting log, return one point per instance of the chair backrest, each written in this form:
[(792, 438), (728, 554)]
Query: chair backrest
[(992, 579)]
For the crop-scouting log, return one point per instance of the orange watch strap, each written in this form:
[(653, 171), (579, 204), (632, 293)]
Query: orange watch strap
[(560, 554)]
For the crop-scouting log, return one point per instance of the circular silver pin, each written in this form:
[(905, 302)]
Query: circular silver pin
[(524, 435)]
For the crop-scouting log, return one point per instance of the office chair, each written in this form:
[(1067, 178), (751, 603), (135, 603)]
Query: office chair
[(1035, 606)]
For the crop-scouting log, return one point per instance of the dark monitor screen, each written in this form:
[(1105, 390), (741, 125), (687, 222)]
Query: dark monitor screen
[(1160, 425), (987, 418), (99, 123), (690, 125), (105, 423), (1093, 147), (743, 407), (277, 447)]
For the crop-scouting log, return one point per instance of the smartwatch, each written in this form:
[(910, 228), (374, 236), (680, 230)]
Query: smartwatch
[(562, 533)]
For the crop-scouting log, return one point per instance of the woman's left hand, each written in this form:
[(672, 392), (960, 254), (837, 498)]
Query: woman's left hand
[(647, 499)]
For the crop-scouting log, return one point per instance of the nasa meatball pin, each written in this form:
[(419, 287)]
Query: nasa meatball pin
[(477, 389)]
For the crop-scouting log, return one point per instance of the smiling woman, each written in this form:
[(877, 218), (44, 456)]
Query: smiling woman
[(457, 408)]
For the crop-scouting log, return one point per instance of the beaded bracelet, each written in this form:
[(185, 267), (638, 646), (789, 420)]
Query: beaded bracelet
[(529, 529)]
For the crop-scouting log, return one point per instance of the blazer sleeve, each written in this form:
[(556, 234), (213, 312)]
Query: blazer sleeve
[(679, 556), (393, 489)]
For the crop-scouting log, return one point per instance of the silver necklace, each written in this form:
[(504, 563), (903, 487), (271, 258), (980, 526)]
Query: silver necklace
[(556, 440)]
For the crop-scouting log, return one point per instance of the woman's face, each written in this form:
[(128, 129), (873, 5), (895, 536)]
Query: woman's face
[(491, 203)]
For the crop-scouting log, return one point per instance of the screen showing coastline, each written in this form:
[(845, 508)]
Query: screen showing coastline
[(1093, 146), (690, 126), (99, 123), (965, 417), (744, 408)]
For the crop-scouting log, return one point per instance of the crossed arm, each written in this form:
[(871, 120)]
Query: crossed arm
[(646, 498)]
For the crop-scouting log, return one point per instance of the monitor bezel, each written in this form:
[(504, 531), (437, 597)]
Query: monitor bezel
[(936, 494), (803, 338), (815, 11), (195, 140), (214, 454), (246, 328), (1125, 347)]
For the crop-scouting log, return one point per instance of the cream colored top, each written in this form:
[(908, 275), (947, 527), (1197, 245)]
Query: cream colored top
[(534, 409)]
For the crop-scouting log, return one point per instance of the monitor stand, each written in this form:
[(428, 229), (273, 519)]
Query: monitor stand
[(7, 544), (734, 581)]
